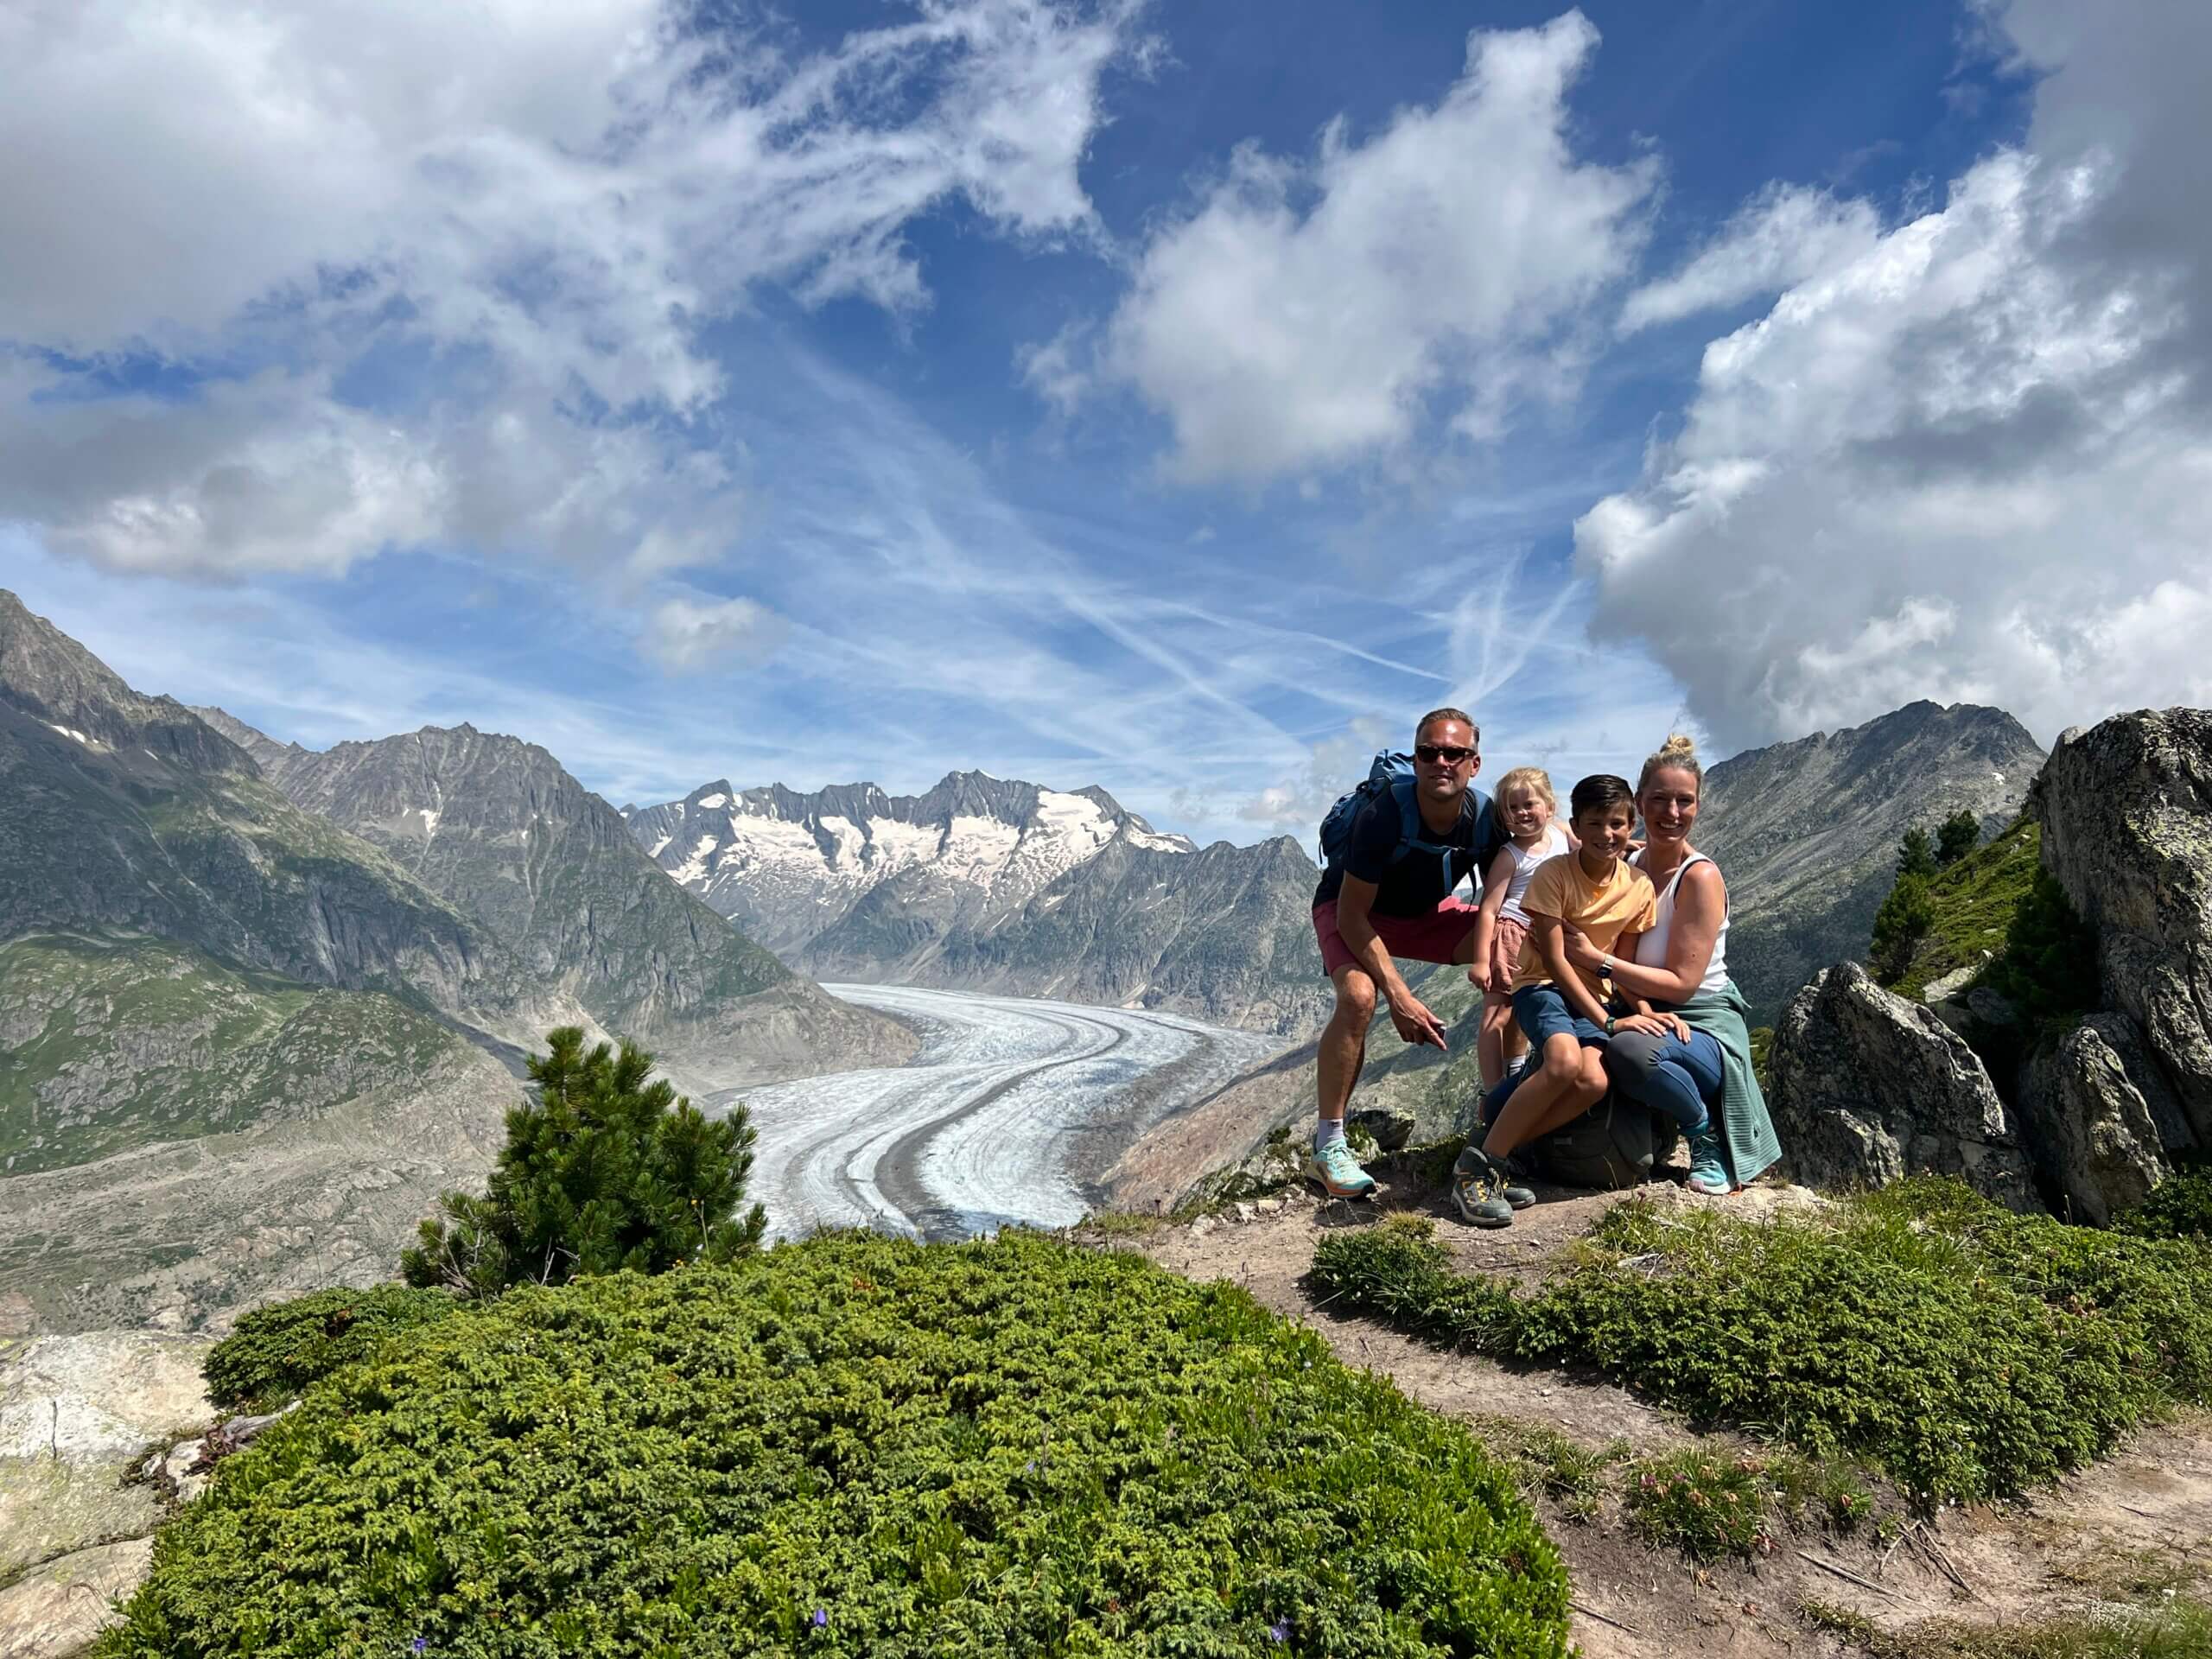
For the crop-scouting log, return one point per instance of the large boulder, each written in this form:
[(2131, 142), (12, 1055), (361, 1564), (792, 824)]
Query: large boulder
[(2126, 813), (2090, 1129), (1869, 1087)]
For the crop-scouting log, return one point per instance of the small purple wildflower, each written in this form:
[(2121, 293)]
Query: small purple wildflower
[(420, 1644), (821, 1620), (1279, 1632)]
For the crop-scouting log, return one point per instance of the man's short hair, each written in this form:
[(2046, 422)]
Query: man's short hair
[(1459, 714)]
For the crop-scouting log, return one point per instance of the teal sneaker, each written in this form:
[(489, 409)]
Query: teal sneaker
[(1708, 1171), (1481, 1192), (1338, 1173)]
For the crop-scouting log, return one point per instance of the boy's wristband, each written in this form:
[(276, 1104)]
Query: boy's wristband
[(1608, 1024)]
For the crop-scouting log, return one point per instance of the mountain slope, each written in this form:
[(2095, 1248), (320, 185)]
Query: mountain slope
[(1807, 831), (989, 884), (496, 827), (123, 811), (227, 1042)]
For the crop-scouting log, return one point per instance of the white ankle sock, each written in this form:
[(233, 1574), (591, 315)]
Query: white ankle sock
[(1330, 1128)]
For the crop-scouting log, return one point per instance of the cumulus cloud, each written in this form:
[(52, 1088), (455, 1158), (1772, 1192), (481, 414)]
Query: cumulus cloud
[(686, 635), (535, 208), (1309, 314), (1957, 466), (1783, 237)]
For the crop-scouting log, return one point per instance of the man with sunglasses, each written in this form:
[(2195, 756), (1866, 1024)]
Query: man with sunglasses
[(1390, 894)]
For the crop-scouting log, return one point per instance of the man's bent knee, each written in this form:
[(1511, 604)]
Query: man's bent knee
[(1356, 996)]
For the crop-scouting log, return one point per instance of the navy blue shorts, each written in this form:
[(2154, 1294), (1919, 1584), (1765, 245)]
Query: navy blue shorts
[(1541, 1013)]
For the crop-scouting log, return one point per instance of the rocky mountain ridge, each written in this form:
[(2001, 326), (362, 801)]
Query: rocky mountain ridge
[(496, 826), (989, 884), (1807, 831)]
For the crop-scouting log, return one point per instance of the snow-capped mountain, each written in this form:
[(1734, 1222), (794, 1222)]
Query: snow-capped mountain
[(987, 884), (788, 868)]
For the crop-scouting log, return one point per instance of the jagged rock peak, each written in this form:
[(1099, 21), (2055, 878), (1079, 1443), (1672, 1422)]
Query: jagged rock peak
[(49, 677)]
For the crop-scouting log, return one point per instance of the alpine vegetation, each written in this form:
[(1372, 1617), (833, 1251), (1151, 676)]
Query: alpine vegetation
[(858, 1446)]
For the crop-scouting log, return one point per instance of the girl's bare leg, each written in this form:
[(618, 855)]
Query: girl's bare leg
[(1498, 1030)]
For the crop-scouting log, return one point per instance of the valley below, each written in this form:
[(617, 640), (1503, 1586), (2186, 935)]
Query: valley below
[(1009, 1112)]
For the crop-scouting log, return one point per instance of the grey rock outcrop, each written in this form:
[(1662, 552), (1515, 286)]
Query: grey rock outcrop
[(2126, 815), (1869, 1087), (1807, 831), (2089, 1126)]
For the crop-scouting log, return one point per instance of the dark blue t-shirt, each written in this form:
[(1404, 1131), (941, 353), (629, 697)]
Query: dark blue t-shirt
[(1414, 885)]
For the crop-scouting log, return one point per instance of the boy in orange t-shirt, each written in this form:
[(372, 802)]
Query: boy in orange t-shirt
[(1560, 1009)]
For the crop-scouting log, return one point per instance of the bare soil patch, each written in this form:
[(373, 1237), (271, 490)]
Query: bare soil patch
[(2135, 1525)]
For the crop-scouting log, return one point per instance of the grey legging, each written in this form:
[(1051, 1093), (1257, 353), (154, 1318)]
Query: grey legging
[(1677, 1078)]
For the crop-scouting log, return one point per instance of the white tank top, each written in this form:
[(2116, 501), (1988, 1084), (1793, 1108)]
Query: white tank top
[(1524, 870), (1651, 948)]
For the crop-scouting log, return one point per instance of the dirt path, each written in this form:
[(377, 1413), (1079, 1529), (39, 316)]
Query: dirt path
[(2137, 1523)]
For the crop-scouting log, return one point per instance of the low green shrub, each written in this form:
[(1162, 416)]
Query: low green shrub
[(1971, 1352), (858, 1446), (2179, 1207), (275, 1352)]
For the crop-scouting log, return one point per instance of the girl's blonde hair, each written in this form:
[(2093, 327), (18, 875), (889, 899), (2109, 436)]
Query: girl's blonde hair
[(1677, 753), (1532, 777)]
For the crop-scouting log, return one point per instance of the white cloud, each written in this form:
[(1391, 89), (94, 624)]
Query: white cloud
[(1310, 315), (685, 636), (1957, 466), (1784, 236), (528, 208)]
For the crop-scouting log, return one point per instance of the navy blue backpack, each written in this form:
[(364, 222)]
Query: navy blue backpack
[(1393, 773)]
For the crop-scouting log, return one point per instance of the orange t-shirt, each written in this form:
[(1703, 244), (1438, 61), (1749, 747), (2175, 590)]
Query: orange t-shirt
[(1625, 902)]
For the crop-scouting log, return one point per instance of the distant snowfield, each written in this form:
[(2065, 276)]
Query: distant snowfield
[(1009, 1109)]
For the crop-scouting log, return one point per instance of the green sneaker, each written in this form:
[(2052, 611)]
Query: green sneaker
[(1338, 1173), (1708, 1171), (1481, 1193)]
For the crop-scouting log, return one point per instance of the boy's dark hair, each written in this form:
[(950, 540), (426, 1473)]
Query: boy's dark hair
[(1600, 789)]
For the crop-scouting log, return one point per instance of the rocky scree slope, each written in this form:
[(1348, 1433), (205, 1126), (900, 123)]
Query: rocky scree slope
[(2088, 1107), (987, 884), (1807, 831), (496, 827)]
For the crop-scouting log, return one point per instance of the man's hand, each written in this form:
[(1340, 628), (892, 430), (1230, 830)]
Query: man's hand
[(1416, 1024)]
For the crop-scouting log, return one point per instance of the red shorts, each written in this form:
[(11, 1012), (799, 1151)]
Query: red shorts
[(1435, 937)]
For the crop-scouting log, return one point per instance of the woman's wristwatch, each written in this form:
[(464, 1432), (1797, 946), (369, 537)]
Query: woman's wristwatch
[(1607, 963)]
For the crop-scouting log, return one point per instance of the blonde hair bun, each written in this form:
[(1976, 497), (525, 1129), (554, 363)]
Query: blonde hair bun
[(1677, 753)]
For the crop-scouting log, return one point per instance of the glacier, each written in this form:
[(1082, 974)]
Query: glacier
[(1007, 1108)]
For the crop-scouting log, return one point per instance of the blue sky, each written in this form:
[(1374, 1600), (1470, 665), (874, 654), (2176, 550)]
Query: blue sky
[(1172, 397)]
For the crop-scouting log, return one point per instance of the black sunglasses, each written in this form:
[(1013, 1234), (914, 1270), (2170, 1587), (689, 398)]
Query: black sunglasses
[(1429, 753)]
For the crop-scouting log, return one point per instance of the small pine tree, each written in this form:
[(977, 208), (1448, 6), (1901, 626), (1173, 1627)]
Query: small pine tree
[(1916, 854), (1957, 836), (605, 1171), (1900, 925)]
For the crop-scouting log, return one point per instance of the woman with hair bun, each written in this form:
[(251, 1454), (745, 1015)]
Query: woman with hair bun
[(1679, 966)]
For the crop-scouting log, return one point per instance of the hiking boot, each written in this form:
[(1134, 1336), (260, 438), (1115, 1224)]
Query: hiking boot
[(1708, 1171), (1338, 1173), (1480, 1192)]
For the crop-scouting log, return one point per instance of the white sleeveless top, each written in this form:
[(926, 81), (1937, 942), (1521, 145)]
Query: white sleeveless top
[(1651, 948), (1524, 870)]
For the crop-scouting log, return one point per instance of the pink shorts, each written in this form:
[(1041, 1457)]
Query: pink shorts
[(1506, 940), (1435, 937)]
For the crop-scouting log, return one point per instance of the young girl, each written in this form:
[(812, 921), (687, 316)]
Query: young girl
[(1560, 1009), (1524, 804)]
